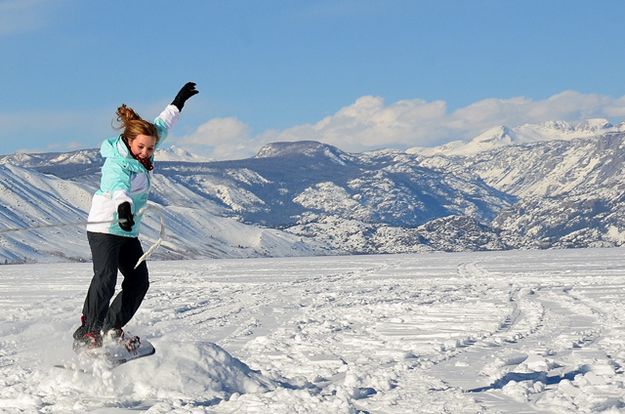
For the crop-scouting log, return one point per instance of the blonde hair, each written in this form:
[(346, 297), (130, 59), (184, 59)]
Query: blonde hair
[(134, 125)]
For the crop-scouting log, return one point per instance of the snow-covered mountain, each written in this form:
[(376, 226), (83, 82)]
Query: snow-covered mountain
[(502, 136), (512, 190), (60, 193), (174, 153), (570, 193)]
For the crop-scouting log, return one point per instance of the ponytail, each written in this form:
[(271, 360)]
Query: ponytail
[(132, 124)]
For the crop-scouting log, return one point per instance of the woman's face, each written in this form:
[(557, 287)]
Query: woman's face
[(143, 146)]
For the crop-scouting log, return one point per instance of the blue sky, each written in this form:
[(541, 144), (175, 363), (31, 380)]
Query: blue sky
[(357, 74)]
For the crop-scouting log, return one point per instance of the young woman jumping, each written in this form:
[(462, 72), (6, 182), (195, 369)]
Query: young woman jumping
[(123, 192)]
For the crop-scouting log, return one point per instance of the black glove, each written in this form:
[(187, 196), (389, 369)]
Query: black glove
[(187, 91), (124, 216)]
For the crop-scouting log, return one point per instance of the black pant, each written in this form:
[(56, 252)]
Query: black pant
[(110, 253)]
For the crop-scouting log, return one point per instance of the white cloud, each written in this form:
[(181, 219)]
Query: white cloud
[(369, 123), (221, 138)]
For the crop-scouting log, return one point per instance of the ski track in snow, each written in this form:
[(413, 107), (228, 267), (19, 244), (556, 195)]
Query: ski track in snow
[(521, 332)]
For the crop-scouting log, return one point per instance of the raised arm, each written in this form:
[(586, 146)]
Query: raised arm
[(166, 120)]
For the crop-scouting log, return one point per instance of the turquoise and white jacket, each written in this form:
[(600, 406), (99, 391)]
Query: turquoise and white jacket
[(124, 179)]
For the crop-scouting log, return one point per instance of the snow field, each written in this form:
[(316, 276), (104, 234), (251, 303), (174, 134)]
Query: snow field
[(525, 331)]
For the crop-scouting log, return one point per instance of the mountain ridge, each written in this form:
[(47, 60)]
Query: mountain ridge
[(501, 136), (310, 198)]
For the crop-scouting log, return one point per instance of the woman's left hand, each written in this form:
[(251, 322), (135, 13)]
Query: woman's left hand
[(187, 91)]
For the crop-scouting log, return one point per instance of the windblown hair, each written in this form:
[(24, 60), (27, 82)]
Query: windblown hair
[(134, 125)]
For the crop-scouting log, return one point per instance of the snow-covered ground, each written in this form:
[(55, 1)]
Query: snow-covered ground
[(517, 332)]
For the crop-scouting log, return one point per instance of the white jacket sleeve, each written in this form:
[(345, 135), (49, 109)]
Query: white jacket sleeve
[(165, 121)]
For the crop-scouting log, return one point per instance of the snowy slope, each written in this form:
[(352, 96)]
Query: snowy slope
[(195, 227), (29, 198), (490, 332), (552, 168), (536, 186), (570, 193), (276, 204), (502, 136)]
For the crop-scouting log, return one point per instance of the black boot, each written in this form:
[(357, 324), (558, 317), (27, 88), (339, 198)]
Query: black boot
[(89, 340), (82, 329), (84, 338)]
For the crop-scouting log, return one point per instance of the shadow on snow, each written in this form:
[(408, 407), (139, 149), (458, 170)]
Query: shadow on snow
[(543, 377)]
